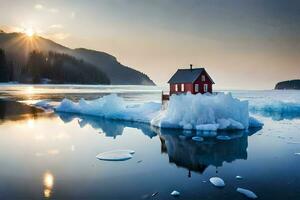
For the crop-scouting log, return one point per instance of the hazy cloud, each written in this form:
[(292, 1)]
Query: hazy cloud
[(42, 7), (39, 6), (73, 15), (53, 10), (60, 36), (56, 26)]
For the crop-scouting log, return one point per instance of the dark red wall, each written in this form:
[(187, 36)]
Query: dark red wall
[(189, 87)]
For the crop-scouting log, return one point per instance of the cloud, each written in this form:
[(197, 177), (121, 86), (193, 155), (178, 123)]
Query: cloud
[(73, 15), (39, 6), (56, 26), (53, 10), (60, 36)]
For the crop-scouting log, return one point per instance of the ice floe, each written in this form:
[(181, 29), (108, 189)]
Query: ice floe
[(175, 193), (186, 111), (216, 181), (197, 138), (239, 177), (247, 193), (116, 155), (223, 137)]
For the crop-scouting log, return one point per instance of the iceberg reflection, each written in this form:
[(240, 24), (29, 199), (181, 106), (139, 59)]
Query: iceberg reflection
[(197, 156), (111, 128)]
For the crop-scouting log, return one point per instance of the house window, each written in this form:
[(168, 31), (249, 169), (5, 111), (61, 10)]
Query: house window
[(196, 87), (203, 78), (182, 87), (205, 87), (176, 87)]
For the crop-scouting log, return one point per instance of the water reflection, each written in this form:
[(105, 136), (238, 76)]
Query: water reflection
[(110, 128), (197, 156), (11, 110), (48, 182), (181, 149)]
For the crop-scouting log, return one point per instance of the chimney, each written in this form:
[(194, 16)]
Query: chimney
[(191, 67)]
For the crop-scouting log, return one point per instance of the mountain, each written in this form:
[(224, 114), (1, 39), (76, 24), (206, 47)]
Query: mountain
[(18, 46), (288, 85)]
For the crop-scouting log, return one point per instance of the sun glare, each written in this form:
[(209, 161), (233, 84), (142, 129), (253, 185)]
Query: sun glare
[(29, 32)]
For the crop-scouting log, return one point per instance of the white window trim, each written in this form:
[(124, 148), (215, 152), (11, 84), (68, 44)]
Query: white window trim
[(205, 87), (182, 87), (196, 87), (176, 87)]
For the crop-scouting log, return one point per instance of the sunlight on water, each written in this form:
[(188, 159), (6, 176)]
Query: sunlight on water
[(48, 184), (30, 123)]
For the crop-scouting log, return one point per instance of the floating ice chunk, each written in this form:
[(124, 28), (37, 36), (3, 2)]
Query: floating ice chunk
[(175, 193), (247, 193), (154, 194), (216, 181), (207, 133), (297, 154), (239, 177), (197, 138), (223, 137), (116, 155), (293, 142)]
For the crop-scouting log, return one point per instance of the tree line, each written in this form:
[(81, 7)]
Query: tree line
[(52, 67), (6, 68)]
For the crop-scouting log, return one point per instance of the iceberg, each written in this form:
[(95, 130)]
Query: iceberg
[(201, 112)]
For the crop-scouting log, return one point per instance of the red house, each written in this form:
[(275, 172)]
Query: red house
[(191, 80)]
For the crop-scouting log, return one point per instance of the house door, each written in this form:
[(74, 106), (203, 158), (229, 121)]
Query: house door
[(196, 87), (205, 88)]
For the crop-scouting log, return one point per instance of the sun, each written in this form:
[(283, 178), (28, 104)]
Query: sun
[(29, 32)]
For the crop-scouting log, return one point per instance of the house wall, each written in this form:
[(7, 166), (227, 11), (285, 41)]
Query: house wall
[(201, 83), (190, 87)]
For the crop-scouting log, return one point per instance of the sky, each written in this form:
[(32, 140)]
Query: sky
[(243, 44)]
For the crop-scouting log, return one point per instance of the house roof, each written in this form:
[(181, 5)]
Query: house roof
[(187, 75)]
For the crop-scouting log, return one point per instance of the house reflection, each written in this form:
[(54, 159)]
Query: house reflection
[(111, 128), (197, 156)]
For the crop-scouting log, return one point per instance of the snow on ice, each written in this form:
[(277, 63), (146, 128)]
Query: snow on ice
[(186, 111)]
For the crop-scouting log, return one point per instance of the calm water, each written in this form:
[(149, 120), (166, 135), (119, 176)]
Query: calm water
[(52, 155)]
